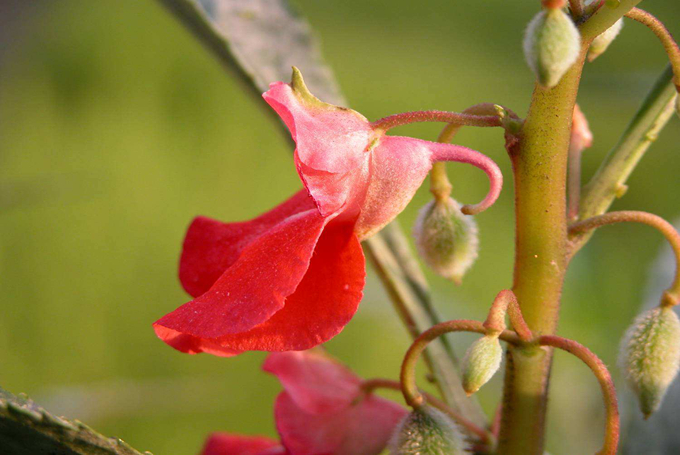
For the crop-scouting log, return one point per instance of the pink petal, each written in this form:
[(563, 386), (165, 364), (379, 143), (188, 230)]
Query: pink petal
[(316, 382), (230, 444), (398, 167), (332, 146), (360, 429), (211, 246), (323, 303), (329, 138), (256, 285)]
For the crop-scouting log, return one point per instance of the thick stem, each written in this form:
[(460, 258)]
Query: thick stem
[(672, 295), (540, 168), (484, 436), (612, 424)]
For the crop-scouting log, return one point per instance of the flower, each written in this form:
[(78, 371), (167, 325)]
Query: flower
[(322, 410), (292, 278)]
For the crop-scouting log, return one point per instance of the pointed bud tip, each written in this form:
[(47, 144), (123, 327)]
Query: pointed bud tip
[(603, 40)]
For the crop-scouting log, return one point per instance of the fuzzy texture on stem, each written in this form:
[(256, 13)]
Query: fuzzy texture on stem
[(672, 295), (484, 436), (409, 388), (659, 29), (405, 118), (612, 425)]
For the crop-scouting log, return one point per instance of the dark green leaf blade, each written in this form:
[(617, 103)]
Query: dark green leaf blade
[(28, 429)]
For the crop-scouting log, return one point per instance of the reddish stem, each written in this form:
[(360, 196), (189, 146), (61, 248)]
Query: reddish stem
[(484, 436), (405, 118), (504, 301), (612, 425)]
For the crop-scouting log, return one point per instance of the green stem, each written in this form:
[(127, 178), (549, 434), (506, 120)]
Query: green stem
[(610, 179), (406, 118), (540, 170), (401, 276)]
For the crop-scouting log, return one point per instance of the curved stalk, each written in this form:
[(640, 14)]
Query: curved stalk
[(485, 437), (504, 301), (659, 29), (672, 295), (612, 425), (409, 388), (405, 118)]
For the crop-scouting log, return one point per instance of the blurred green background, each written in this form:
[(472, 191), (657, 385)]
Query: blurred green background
[(117, 128)]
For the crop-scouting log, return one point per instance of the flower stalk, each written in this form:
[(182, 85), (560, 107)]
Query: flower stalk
[(671, 296), (612, 424)]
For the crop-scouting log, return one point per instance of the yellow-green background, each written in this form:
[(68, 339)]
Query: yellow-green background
[(116, 128)]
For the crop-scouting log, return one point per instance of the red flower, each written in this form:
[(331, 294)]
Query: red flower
[(292, 278), (322, 411), (232, 444)]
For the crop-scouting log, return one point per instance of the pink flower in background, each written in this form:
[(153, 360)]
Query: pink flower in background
[(322, 410), (292, 278)]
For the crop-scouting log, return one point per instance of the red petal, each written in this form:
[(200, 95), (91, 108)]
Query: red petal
[(230, 444), (323, 303), (361, 429), (211, 246), (256, 285), (315, 381), (398, 167)]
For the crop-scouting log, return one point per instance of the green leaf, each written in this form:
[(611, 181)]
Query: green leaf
[(28, 429), (658, 435), (261, 40)]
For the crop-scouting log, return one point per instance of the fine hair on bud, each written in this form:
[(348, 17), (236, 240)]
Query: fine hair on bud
[(447, 240), (482, 360), (551, 45), (650, 356), (429, 431), (603, 40)]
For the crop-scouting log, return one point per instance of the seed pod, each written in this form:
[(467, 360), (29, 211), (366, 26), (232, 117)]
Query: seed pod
[(603, 40), (446, 239), (650, 356), (481, 362), (427, 431), (551, 45)]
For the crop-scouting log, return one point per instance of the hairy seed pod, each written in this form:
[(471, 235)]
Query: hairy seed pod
[(551, 45), (446, 239), (482, 360), (603, 40), (650, 356), (427, 431)]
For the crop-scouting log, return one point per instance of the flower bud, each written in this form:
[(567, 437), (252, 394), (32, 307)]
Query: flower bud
[(650, 356), (446, 239), (481, 362), (427, 431), (551, 45), (603, 40)]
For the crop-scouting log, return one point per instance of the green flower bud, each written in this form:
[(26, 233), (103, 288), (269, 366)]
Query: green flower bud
[(446, 239), (603, 40), (650, 356), (427, 431), (551, 45), (481, 362)]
